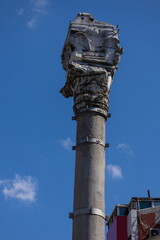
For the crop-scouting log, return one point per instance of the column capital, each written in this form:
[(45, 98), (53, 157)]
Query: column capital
[(90, 57)]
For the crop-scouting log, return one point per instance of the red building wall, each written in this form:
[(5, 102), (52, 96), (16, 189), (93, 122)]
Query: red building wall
[(118, 230), (122, 228)]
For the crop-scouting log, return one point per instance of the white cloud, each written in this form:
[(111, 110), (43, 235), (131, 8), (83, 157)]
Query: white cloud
[(126, 148), (31, 23), (67, 143), (22, 188), (20, 11), (39, 6), (35, 10), (115, 171)]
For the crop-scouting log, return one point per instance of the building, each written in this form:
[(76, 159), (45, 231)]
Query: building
[(138, 220)]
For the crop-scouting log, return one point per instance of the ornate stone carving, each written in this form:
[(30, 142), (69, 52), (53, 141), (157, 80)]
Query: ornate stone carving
[(91, 90), (90, 57)]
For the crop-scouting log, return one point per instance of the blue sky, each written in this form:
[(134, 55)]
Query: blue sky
[(36, 131)]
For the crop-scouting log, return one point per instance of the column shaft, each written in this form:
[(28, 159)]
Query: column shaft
[(89, 177)]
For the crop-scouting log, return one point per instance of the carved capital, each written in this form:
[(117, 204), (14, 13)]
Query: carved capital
[(91, 91), (90, 57)]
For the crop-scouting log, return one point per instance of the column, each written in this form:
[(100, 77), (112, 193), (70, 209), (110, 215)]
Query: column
[(90, 57)]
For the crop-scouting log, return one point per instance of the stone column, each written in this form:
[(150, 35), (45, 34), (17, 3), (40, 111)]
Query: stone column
[(90, 56)]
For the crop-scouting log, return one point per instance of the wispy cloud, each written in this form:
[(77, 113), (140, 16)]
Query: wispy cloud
[(22, 188), (2, 182), (32, 23), (20, 11), (125, 148), (115, 171), (67, 143), (38, 8), (35, 10)]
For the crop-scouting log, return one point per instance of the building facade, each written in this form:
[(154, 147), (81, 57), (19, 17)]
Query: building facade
[(138, 220)]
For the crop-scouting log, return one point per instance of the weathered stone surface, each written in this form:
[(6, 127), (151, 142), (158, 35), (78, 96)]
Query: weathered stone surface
[(90, 56), (91, 41), (91, 47), (91, 90)]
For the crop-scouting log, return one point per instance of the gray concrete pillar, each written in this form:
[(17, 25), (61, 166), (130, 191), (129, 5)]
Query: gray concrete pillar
[(90, 56), (89, 177)]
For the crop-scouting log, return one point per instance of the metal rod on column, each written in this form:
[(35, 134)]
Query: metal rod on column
[(90, 57)]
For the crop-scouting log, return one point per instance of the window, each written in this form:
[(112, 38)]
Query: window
[(123, 211), (156, 204), (154, 232), (145, 204)]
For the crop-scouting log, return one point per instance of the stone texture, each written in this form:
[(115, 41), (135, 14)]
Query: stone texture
[(91, 47), (92, 91)]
